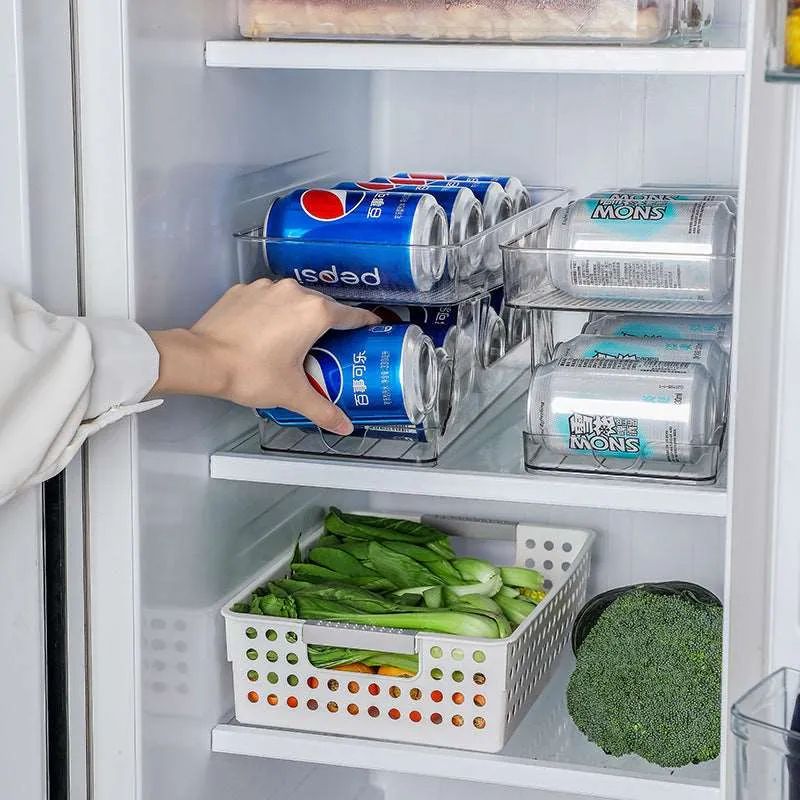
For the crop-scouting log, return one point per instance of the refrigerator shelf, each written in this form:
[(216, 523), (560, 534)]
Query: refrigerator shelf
[(547, 752), (484, 464), (724, 54)]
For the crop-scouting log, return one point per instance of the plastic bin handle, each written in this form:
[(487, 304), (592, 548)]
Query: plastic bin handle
[(359, 637)]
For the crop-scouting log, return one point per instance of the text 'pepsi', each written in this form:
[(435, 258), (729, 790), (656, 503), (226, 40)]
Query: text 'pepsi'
[(381, 375), (337, 238)]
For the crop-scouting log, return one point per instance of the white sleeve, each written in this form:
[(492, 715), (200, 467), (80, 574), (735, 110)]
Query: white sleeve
[(61, 380)]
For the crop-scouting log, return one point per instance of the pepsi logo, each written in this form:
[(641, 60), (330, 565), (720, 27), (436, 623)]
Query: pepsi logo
[(381, 328), (324, 373), (326, 205)]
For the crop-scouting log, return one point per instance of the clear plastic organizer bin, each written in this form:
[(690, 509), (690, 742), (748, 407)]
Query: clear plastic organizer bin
[(475, 373), (529, 271), (612, 21), (548, 452), (766, 724), (470, 267), (468, 694)]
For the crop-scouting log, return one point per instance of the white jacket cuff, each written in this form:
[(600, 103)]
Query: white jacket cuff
[(125, 364)]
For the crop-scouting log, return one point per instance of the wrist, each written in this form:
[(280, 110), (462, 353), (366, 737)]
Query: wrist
[(189, 364)]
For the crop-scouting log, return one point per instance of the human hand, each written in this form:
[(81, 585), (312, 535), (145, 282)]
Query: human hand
[(249, 347)]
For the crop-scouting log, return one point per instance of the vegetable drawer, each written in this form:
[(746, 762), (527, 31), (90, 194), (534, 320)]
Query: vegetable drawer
[(469, 693)]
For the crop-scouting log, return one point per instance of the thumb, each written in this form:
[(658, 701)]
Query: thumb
[(310, 403)]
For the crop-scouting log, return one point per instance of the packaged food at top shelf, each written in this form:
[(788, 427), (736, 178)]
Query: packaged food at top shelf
[(628, 395), (411, 385), (783, 43), (394, 240), (387, 628), (669, 252), (609, 21)]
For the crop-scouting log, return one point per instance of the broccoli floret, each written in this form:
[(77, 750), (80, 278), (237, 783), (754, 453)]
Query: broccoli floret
[(648, 679)]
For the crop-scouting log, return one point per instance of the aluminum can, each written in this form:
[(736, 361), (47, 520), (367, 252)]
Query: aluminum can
[(610, 408), (708, 354), (380, 375), (670, 250), (357, 240), (513, 187), (645, 194), (651, 326), (516, 320), (496, 203)]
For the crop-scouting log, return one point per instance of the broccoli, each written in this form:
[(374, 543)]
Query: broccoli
[(648, 679)]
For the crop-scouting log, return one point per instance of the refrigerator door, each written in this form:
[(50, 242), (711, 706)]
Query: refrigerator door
[(37, 169)]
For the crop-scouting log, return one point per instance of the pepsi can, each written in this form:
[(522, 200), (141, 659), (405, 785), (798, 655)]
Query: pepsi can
[(708, 354), (356, 240), (381, 375), (609, 408), (496, 203), (462, 208), (646, 326), (513, 187), (454, 345), (516, 320), (669, 250)]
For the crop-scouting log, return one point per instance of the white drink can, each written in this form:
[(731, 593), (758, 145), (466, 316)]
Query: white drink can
[(666, 250), (651, 326), (609, 408), (708, 354)]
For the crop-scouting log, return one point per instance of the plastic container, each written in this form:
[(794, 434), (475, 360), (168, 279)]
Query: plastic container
[(766, 724), (469, 694), (484, 20), (467, 387), (586, 269), (460, 281)]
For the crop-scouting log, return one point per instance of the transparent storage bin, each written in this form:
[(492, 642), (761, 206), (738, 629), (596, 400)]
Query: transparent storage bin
[(472, 266), (528, 268), (766, 724), (469, 694), (472, 378), (611, 21)]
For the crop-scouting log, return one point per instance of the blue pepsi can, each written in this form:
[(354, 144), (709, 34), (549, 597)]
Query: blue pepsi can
[(381, 375), (335, 239), (439, 323), (496, 203), (513, 187)]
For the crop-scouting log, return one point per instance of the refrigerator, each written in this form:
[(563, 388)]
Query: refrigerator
[(139, 136)]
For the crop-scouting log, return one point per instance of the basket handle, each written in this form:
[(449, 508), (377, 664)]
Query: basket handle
[(359, 637)]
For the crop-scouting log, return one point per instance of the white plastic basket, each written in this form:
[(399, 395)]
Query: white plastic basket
[(469, 693)]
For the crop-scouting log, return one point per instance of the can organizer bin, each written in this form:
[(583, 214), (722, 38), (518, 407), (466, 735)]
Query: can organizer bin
[(468, 268), (469, 694), (486, 20), (475, 372), (649, 277)]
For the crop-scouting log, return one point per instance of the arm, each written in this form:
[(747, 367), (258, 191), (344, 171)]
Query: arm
[(65, 378)]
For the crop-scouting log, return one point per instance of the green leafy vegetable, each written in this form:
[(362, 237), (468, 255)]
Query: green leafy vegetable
[(402, 571)]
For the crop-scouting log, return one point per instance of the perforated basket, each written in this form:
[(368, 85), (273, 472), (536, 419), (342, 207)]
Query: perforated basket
[(468, 694)]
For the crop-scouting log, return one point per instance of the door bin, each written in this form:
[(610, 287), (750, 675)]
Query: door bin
[(766, 723)]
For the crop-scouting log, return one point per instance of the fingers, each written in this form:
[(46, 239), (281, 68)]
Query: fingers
[(346, 317), (310, 403)]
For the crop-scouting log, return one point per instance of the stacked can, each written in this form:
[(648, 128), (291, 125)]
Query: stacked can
[(643, 245), (516, 320)]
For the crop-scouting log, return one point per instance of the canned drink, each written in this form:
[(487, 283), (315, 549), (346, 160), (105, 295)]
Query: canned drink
[(516, 320), (381, 375), (335, 238), (496, 203), (492, 342), (708, 354), (646, 326), (644, 194), (450, 336), (666, 251), (463, 210), (649, 410), (513, 187)]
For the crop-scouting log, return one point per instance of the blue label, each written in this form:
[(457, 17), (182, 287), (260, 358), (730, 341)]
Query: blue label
[(359, 371), (340, 238), (435, 321)]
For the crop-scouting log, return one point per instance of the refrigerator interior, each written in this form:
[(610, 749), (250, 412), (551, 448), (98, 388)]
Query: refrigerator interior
[(205, 146)]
